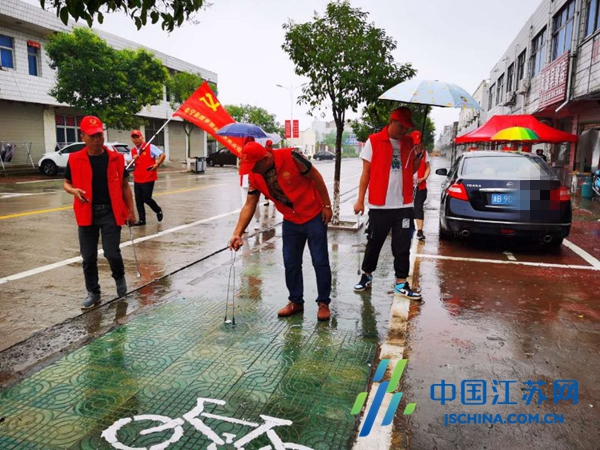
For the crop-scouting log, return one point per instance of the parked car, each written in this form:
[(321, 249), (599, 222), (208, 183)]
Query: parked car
[(497, 193), (52, 162), (221, 158), (323, 154)]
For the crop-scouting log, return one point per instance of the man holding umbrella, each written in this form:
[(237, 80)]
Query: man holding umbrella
[(390, 159), (298, 192)]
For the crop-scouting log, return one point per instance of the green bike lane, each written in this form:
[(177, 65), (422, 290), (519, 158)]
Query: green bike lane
[(168, 356)]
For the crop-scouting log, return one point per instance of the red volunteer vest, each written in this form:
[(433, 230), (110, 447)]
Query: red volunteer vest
[(300, 190), (81, 178), (141, 174), (381, 163), (421, 173)]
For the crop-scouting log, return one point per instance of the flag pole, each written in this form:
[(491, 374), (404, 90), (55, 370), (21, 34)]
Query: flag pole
[(151, 139)]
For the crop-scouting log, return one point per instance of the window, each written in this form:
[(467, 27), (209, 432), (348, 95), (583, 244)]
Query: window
[(538, 53), (32, 56), (6, 52), (67, 129), (521, 65), (500, 89), (510, 74), (491, 97), (592, 17), (151, 129), (563, 29)]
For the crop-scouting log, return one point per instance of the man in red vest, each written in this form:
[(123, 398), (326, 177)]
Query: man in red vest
[(390, 158), (144, 175), (103, 203), (298, 192)]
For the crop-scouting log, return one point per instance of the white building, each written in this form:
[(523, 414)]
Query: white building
[(28, 114), (552, 71)]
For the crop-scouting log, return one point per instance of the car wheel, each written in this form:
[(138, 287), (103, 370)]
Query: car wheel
[(211, 163), (220, 165), (49, 168), (445, 235)]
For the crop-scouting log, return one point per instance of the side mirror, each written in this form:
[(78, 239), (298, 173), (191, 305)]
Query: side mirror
[(441, 172)]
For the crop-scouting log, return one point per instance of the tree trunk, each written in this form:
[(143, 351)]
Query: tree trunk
[(187, 128), (339, 124)]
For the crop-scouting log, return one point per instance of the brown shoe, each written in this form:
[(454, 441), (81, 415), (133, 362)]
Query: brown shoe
[(290, 309), (323, 312)]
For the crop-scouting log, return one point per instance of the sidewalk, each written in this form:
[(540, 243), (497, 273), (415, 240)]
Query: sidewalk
[(163, 360)]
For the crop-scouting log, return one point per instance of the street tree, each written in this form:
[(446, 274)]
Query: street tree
[(375, 116), (347, 61), (255, 115), (171, 13), (112, 84)]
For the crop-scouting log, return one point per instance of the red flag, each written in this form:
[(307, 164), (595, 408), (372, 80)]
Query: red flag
[(296, 129), (288, 129), (204, 110)]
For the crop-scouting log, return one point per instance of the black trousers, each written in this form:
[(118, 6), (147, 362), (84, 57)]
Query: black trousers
[(143, 194), (381, 221), (103, 222), (420, 198)]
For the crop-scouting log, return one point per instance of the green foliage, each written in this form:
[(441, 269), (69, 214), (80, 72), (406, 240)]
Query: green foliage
[(181, 86), (111, 84), (171, 13), (329, 139), (257, 116), (347, 60), (376, 115)]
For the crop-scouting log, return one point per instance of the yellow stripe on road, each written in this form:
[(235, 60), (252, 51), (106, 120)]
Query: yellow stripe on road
[(65, 208), (38, 211)]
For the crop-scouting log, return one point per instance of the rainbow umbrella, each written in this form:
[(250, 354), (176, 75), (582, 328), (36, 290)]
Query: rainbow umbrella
[(515, 134)]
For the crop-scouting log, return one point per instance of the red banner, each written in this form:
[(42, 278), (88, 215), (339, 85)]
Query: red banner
[(288, 129), (296, 129), (204, 110)]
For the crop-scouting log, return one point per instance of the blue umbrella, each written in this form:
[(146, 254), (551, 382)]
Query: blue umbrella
[(242, 130), (431, 92)]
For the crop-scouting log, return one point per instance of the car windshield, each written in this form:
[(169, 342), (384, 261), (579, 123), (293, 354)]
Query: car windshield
[(505, 167)]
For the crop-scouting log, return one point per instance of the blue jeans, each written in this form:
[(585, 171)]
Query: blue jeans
[(294, 239)]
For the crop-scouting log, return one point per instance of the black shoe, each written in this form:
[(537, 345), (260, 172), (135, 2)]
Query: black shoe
[(364, 283), (121, 286), (420, 235), (159, 215), (139, 223)]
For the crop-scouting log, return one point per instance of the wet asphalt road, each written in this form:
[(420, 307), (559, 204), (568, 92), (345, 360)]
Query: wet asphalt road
[(41, 280)]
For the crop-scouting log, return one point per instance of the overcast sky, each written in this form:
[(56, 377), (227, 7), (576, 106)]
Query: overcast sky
[(457, 41)]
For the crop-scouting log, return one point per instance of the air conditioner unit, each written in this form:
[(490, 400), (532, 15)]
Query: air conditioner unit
[(511, 99), (524, 85)]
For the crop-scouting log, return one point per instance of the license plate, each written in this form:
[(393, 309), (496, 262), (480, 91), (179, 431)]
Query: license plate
[(504, 199)]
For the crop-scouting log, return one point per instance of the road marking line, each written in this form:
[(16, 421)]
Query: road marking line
[(582, 253), (522, 263), (64, 208), (510, 256), (66, 262), (38, 181), (37, 211)]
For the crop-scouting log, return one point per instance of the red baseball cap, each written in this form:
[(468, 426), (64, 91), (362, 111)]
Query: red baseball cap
[(91, 125), (403, 115), (136, 133), (252, 152)]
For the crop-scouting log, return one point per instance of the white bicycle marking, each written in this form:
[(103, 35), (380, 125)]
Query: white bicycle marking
[(193, 417)]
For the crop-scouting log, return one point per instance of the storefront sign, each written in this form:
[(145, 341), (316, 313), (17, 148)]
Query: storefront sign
[(553, 81)]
